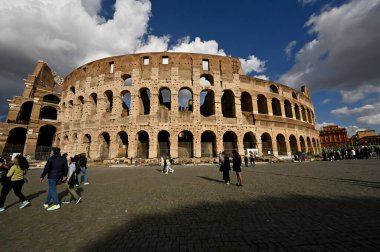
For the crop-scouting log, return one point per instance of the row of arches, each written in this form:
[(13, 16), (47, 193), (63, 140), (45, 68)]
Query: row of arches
[(184, 143), (185, 102), (17, 138)]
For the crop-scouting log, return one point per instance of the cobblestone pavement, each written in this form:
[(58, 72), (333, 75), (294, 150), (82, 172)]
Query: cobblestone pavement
[(316, 206)]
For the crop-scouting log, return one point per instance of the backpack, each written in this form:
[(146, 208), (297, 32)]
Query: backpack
[(77, 168)]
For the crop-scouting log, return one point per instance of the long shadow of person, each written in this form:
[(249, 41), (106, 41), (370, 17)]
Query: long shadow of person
[(30, 197)]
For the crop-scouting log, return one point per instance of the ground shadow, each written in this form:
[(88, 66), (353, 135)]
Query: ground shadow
[(211, 179), (290, 223), (29, 197)]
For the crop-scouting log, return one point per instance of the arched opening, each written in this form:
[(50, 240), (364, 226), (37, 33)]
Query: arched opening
[(144, 101), (142, 145), (45, 139), (206, 80), (49, 113), (288, 109), (208, 144), (249, 141), (297, 111), (25, 112), (185, 144), (104, 145), (293, 144), (164, 98), (51, 99), (262, 104), (185, 100), (72, 89), (246, 102), (15, 142), (81, 105), (127, 80), (309, 147), (229, 142), (281, 145), (302, 144), (314, 149), (163, 144), (273, 89), (228, 104), (308, 116), (109, 100), (207, 102), (266, 141), (87, 144), (276, 107), (126, 97), (122, 140), (303, 111), (93, 103), (294, 95)]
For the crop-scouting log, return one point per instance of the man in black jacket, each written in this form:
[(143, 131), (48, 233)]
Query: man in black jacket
[(56, 168)]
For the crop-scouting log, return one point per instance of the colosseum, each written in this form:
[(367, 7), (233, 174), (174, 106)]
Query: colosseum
[(144, 106)]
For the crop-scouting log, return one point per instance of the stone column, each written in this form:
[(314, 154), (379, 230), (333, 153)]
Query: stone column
[(260, 147), (197, 145), (101, 107), (114, 145), (254, 106), (274, 146), (153, 142), (174, 107), (30, 144), (288, 148), (36, 110), (283, 111), (174, 146), (269, 105), (117, 107), (293, 111)]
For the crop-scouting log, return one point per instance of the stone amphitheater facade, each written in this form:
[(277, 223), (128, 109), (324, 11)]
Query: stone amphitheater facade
[(144, 106), (191, 106)]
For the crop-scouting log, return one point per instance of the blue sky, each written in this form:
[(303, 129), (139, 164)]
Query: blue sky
[(330, 46)]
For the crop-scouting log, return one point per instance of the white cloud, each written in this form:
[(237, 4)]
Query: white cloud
[(352, 129), (92, 7), (344, 53), (197, 46), (289, 49), (252, 64), (325, 101), (346, 111), (358, 93), (264, 77), (306, 2), (370, 120)]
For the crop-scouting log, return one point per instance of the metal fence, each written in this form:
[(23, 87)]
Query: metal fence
[(42, 152), (12, 148)]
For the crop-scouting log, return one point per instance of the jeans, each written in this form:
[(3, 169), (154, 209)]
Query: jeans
[(52, 194), (85, 176)]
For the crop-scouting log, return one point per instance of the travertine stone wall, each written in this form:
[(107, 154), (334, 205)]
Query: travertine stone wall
[(94, 127)]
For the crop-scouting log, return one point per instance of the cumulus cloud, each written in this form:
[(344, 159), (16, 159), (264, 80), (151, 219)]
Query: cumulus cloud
[(352, 129), (359, 93), (252, 64), (289, 49), (344, 53), (346, 111), (368, 114), (69, 33), (264, 77), (370, 120)]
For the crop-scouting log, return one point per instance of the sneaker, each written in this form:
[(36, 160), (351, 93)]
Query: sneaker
[(54, 207), (24, 204), (227, 183), (78, 200), (2, 209), (66, 202), (86, 183), (46, 206)]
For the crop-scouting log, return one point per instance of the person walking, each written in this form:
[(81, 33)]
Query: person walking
[(16, 174), (252, 157), (56, 169), (83, 168), (72, 181), (236, 166), (225, 168)]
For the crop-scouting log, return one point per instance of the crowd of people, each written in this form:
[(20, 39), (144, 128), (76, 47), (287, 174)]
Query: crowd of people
[(349, 152), (58, 169)]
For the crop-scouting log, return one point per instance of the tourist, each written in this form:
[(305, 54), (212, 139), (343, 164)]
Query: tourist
[(246, 158), (16, 180), (225, 168), (83, 168), (236, 166), (252, 158), (56, 169), (167, 164), (162, 164), (71, 182)]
